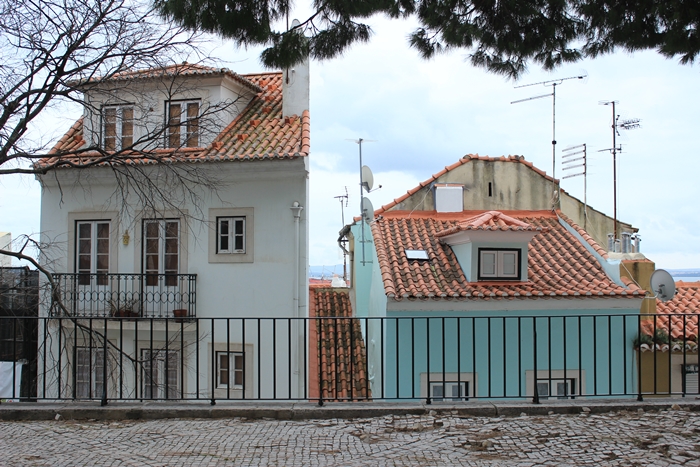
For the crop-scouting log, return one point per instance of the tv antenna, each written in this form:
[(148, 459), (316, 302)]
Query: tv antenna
[(344, 240), (553, 83), (366, 183), (630, 124), (569, 161)]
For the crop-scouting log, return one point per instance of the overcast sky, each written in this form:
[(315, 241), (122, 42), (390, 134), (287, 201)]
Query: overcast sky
[(425, 115)]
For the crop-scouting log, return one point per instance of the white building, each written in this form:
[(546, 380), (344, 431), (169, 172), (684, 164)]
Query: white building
[(219, 231), (5, 244)]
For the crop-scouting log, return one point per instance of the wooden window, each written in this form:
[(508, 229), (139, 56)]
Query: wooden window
[(117, 127), (92, 252), (183, 124), (161, 245)]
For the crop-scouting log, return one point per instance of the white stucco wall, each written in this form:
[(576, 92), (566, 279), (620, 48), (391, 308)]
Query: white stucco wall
[(222, 99), (261, 288)]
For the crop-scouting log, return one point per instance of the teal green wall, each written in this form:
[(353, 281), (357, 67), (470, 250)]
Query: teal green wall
[(502, 353), (370, 301)]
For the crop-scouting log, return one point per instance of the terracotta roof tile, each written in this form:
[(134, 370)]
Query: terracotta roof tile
[(340, 361), (490, 220), (678, 317), (171, 71), (558, 264), (258, 132)]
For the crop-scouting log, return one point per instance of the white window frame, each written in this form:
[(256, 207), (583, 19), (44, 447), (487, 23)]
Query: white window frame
[(449, 386), (690, 378), (499, 270), (213, 253), (552, 386), (183, 126), (119, 137), (152, 384), (162, 230), (93, 386), (231, 236), (232, 371), (100, 275)]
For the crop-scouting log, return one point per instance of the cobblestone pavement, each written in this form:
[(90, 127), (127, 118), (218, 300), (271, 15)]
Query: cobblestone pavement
[(663, 438)]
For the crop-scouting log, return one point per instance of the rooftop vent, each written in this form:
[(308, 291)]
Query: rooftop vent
[(448, 198)]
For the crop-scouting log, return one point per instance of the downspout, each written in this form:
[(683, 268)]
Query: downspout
[(296, 354)]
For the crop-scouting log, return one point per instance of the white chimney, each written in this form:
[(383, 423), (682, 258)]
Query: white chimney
[(295, 87)]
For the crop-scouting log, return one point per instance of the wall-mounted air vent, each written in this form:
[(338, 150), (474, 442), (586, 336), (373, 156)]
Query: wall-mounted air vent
[(448, 198)]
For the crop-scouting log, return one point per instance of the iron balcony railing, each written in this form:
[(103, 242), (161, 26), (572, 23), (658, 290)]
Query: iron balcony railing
[(432, 359), (127, 295)]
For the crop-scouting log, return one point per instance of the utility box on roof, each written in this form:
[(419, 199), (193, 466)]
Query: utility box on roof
[(448, 198)]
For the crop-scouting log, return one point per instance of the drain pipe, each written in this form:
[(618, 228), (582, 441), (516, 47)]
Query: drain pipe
[(296, 212)]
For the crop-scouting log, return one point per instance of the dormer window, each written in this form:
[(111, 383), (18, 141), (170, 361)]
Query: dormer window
[(117, 127), (491, 246), (183, 124), (500, 264)]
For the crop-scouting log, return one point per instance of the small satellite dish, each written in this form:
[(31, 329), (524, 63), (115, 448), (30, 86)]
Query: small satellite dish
[(662, 285), (367, 178), (367, 210)]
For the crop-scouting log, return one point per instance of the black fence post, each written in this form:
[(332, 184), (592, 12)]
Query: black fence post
[(536, 395)]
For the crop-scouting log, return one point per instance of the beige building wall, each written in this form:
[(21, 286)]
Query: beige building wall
[(510, 184)]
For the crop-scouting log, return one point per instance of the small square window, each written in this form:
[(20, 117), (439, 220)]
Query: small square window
[(561, 388), (448, 390), (230, 235), (230, 369), (499, 264)]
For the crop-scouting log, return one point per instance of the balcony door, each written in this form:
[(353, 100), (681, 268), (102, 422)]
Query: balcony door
[(161, 262), (92, 266)]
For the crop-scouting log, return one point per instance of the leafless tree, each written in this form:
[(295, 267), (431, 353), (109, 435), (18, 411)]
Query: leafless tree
[(53, 53)]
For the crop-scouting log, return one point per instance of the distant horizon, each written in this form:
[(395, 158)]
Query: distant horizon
[(327, 271)]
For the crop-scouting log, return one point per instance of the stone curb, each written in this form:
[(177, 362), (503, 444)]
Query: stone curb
[(26, 411)]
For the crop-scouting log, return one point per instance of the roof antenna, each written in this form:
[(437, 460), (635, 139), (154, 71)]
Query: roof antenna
[(366, 183), (567, 163), (344, 240), (553, 83), (630, 124)]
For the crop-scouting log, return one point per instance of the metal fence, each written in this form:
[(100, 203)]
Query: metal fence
[(128, 295), (434, 359)]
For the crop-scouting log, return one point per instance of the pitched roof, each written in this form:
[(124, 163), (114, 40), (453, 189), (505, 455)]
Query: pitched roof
[(172, 71), (340, 361), (490, 220), (464, 160), (258, 132), (677, 317), (559, 265)]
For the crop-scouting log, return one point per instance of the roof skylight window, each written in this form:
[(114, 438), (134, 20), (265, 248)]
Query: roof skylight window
[(417, 254)]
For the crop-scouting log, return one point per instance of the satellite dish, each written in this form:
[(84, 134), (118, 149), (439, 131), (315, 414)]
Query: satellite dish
[(367, 178), (662, 285), (367, 210)]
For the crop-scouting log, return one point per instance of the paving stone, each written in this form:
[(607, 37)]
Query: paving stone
[(628, 438)]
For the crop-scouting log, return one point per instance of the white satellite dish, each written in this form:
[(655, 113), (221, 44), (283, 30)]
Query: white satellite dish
[(367, 210), (662, 285), (367, 178)]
